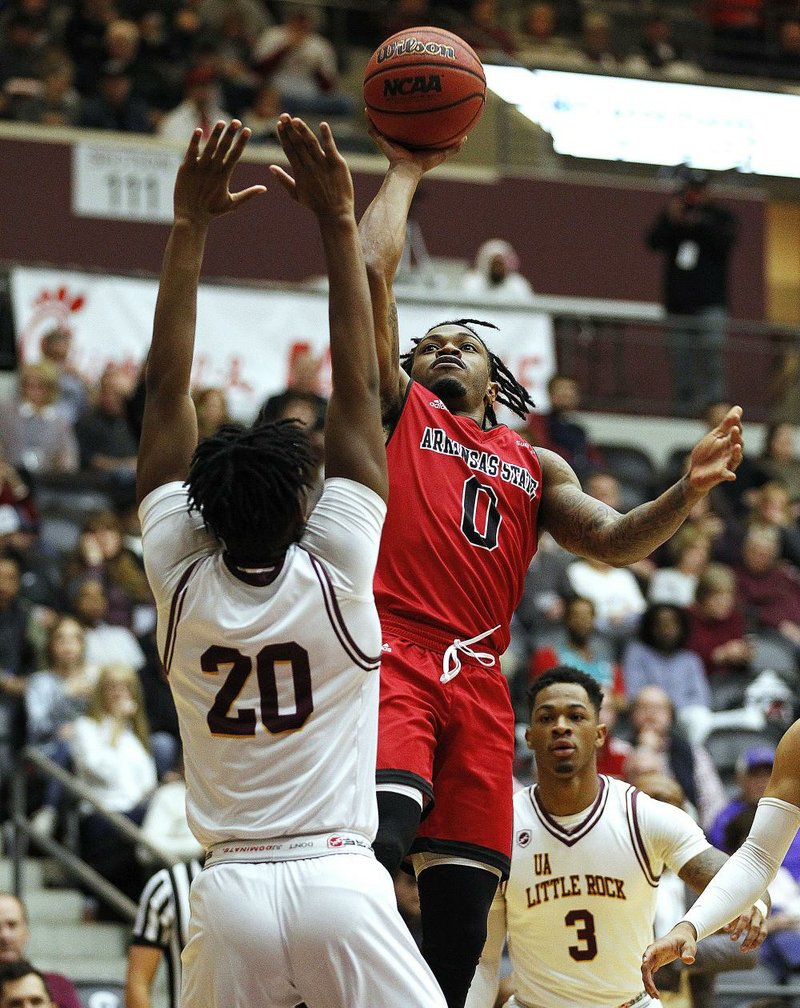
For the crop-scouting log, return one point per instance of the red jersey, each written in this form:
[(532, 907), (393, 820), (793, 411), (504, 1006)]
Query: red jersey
[(460, 531)]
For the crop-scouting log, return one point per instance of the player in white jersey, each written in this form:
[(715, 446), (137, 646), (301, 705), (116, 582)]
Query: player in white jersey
[(752, 867), (587, 855), (268, 631)]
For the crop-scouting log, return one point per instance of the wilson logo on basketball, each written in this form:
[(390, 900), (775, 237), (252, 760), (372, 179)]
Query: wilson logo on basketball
[(411, 46), (411, 85)]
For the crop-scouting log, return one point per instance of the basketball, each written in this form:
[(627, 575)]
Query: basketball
[(424, 88)]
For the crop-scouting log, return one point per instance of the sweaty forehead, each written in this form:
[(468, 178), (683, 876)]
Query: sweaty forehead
[(451, 331)]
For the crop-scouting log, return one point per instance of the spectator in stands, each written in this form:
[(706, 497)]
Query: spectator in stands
[(303, 381), (15, 493), (779, 460), (36, 435), (116, 106), (613, 754), (104, 643), (262, 116), (657, 738), (737, 27), (495, 276), (15, 934), (201, 106), (160, 929), (106, 444), (111, 752), (20, 51), (301, 65), (753, 770), (538, 36), (54, 699), (22, 641), (211, 406), (696, 235), (717, 627), (149, 79), (689, 549), (597, 47), (615, 593), (54, 102), (558, 431), (165, 824), (657, 50), (85, 39), (102, 554), (580, 646), (659, 657), (604, 486), (483, 31), (772, 508), (768, 589), (72, 392)]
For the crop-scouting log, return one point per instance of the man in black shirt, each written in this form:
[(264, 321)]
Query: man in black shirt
[(695, 235)]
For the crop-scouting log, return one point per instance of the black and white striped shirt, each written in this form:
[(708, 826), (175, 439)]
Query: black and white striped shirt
[(162, 920)]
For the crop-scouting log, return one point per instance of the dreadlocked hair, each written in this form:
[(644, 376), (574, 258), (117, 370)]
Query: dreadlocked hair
[(510, 392), (246, 484)]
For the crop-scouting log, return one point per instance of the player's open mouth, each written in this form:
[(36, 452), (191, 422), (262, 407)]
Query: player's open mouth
[(448, 360)]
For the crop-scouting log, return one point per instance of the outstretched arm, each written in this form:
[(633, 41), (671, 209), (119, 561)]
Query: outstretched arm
[(354, 444), (747, 873), (383, 235), (169, 427), (588, 527)]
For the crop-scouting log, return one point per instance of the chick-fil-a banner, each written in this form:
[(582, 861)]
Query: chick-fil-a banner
[(247, 338)]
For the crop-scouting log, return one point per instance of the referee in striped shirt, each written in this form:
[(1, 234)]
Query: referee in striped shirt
[(161, 928)]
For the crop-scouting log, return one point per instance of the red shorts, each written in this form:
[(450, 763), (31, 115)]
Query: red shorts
[(453, 741)]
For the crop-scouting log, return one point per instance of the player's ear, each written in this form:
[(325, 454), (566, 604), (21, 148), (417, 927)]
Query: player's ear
[(491, 393), (602, 731), (529, 737)]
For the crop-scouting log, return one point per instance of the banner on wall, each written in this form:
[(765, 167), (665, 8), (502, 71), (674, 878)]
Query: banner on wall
[(247, 338)]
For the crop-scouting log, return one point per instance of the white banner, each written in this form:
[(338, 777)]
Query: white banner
[(247, 338)]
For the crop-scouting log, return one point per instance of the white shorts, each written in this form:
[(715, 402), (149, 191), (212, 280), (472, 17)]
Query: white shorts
[(322, 930)]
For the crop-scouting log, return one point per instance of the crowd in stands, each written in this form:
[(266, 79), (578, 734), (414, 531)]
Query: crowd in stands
[(165, 66)]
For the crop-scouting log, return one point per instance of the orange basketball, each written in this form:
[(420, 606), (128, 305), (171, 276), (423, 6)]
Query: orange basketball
[(424, 88)]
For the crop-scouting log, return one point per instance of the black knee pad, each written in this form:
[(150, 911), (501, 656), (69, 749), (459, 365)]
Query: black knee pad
[(398, 819)]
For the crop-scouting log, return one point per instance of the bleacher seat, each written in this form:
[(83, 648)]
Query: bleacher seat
[(726, 745), (633, 468)]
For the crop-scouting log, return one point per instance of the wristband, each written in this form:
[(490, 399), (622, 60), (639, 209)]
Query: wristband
[(762, 906)]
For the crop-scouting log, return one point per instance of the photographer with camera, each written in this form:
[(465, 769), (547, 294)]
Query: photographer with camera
[(695, 234)]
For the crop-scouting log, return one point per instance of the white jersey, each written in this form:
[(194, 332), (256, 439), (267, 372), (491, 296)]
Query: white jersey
[(580, 900), (275, 675)]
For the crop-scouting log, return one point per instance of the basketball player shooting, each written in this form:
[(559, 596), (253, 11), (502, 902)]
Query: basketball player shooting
[(587, 855), (468, 499), (268, 631)]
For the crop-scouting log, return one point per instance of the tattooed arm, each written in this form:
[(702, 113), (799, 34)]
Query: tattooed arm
[(589, 528)]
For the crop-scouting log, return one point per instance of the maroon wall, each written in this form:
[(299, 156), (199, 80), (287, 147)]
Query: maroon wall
[(573, 238)]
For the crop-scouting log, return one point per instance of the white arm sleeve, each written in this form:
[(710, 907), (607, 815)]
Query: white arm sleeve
[(486, 982), (743, 879)]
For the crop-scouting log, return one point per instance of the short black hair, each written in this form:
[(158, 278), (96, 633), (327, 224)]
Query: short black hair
[(17, 970), (565, 674), (510, 392), (648, 621), (248, 484)]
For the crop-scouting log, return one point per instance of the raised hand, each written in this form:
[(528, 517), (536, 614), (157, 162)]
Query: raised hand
[(202, 185), (422, 161), (680, 943), (321, 179), (716, 457)]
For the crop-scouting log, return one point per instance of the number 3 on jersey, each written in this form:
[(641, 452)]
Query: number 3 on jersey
[(268, 660), (480, 517), (586, 934)]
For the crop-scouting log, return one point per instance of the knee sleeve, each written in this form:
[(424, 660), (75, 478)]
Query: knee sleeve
[(455, 901), (398, 819)]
